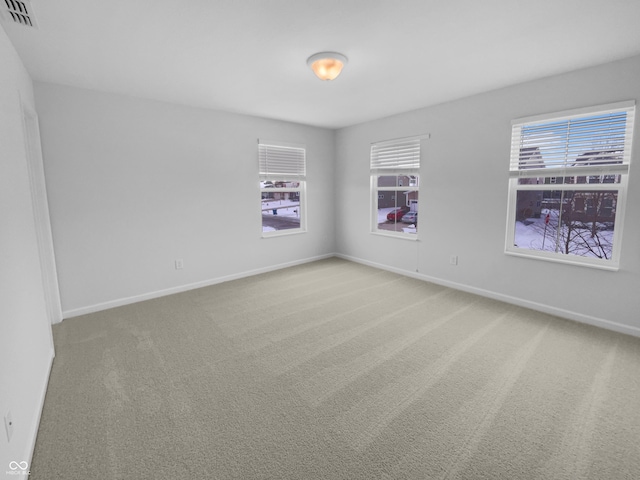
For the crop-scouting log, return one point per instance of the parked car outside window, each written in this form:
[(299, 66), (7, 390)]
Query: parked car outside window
[(397, 214), (410, 217)]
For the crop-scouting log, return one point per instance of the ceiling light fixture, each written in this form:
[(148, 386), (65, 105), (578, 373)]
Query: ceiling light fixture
[(327, 65)]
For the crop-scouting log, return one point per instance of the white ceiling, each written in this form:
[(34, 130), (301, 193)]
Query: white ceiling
[(249, 56)]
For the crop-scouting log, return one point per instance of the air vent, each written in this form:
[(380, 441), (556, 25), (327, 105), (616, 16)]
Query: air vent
[(18, 11)]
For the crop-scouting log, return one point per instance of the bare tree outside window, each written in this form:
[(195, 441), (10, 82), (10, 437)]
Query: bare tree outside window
[(567, 181), (571, 223)]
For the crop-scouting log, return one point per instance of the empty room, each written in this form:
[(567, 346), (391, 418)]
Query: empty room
[(337, 239)]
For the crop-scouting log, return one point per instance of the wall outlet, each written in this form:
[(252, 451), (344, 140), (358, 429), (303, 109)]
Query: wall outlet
[(453, 260), (179, 264), (8, 425)]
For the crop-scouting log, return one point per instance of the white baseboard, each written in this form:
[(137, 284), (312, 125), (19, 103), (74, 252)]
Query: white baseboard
[(183, 288), (570, 315), (559, 312)]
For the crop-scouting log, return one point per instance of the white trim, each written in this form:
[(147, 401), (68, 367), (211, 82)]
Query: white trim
[(565, 114), (278, 143), (423, 136), (540, 307), (564, 168), (183, 288), (41, 216), (281, 233), (576, 260), (402, 235), (554, 172)]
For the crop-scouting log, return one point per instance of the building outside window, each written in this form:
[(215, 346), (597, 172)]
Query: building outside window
[(395, 179), (567, 187), (282, 170)]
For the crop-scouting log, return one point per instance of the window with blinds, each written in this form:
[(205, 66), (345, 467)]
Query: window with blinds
[(282, 174), (396, 156), (395, 178), (567, 188), (282, 162)]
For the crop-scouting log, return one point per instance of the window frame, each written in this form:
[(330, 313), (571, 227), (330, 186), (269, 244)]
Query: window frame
[(564, 166), (400, 157), (289, 166)]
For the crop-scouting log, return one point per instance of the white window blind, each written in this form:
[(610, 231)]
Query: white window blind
[(581, 142), (400, 156), (568, 182), (281, 162)]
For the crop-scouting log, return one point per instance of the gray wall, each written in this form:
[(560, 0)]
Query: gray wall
[(26, 347), (136, 184), (463, 199)]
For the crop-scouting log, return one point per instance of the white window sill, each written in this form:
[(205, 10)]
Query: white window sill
[(403, 236), (559, 258), (282, 233)]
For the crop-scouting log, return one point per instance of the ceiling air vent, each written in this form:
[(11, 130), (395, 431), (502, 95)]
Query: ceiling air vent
[(20, 11)]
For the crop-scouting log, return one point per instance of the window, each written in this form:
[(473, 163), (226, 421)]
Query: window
[(395, 173), (567, 185), (282, 187)]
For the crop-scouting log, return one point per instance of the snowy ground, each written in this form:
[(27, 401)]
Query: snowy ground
[(532, 235), (382, 219), (285, 208), (382, 214)]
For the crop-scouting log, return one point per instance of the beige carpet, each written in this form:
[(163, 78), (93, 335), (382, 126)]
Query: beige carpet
[(335, 370)]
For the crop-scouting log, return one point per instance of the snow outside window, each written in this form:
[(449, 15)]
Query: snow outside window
[(395, 178), (567, 186), (282, 188)]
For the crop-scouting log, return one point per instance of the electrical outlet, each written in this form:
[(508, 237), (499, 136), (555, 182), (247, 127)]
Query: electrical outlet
[(8, 425), (453, 260), (179, 264)]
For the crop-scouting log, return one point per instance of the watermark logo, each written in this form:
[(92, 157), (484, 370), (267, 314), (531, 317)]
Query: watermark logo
[(18, 468)]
